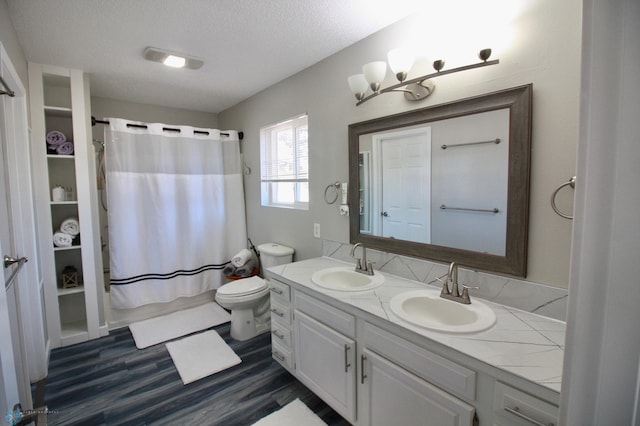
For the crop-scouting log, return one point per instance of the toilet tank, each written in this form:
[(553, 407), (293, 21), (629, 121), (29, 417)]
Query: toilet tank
[(272, 254)]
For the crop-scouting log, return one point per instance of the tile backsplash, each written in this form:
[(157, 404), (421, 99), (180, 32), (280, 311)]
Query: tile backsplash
[(526, 295)]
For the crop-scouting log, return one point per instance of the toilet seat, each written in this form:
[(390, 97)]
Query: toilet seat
[(243, 287)]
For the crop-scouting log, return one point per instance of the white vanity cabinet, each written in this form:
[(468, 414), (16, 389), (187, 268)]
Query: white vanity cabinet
[(281, 324), (402, 384), (514, 407), (393, 396), (326, 353), (377, 373)]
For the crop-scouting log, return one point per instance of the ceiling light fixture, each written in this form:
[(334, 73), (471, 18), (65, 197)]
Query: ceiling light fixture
[(175, 61), (400, 62), (172, 59)]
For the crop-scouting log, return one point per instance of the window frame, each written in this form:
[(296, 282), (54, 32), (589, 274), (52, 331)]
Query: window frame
[(269, 157)]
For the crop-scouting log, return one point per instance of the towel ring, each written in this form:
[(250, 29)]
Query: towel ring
[(572, 183), (336, 187)]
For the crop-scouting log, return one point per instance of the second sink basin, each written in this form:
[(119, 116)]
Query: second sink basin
[(425, 308), (345, 278)]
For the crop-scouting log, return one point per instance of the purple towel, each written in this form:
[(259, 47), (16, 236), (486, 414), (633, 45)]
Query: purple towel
[(65, 148), (56, 138)]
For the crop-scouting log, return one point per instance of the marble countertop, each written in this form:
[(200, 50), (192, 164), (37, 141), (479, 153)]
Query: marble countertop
[(525, 344)]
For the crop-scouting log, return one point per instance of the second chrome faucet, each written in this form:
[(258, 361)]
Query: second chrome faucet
[(362, 265), (454, 294)]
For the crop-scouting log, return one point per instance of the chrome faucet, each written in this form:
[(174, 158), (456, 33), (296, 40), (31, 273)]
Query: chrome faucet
[(454, 294), (362, 265)]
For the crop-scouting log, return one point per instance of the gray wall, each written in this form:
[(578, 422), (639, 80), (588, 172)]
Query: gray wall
[(10, 42), (540, 45)]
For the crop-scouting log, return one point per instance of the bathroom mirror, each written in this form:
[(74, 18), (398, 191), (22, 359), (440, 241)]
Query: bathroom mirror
[(447, 183)]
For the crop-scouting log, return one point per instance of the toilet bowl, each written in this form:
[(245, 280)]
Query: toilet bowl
[(248, 298), (248, 301)]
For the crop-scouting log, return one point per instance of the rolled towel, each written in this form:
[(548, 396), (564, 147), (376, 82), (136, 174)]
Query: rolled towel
[(241, 258), (60, 239), (56, 137), (246, 270), (229, 270), (70, 226), (65, 148)]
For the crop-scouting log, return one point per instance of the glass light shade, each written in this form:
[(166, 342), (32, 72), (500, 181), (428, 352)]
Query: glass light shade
[(374, 73), (358, 84), (400, 60)]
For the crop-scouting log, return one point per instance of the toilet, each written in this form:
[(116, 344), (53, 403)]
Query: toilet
[(248, 298)]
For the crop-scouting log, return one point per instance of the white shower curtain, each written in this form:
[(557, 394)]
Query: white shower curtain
[(176, 210)]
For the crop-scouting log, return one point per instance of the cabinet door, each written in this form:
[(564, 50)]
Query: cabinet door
[(326, 363), (393, 396)]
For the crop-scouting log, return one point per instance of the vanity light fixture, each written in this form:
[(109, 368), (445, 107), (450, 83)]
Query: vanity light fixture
[(400, 62), (172, 59)]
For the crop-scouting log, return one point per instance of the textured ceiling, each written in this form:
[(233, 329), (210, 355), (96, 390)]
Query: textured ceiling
[(246, 45)]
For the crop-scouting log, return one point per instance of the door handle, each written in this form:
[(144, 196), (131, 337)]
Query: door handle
[(346, 358), (363, 376), (384, 214), (8, 260)]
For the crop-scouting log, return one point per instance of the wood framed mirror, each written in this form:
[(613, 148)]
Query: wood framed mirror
[(448, 182)]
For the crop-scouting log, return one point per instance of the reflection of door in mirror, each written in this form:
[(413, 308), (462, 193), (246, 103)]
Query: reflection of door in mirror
[(444, 183), (364, 170), (402, 175)]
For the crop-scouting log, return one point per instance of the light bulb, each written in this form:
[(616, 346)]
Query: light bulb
[(174, 61), (400, 62), (358, 85), (374, 73)]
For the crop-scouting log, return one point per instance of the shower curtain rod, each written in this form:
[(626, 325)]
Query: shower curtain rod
[(94, 121)]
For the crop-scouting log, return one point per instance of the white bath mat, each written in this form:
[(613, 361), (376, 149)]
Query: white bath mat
[(201, 355), (171, 326), (293, 414)]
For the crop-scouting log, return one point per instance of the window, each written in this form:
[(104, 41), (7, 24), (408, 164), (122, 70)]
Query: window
[(284, 165)]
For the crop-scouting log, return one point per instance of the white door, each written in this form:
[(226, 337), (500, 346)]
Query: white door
[(405, 166), (10, 364), (23, 355)]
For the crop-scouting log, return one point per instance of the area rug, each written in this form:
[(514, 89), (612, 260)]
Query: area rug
[(293, 414), (177, 324), (201, 355)]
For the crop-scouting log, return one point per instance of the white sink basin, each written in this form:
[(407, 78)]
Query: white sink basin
[(345, 278), (425, 308)]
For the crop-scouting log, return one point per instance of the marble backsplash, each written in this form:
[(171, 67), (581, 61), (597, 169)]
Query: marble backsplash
[(526, 295)]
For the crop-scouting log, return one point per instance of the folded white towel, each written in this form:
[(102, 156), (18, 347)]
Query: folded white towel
[(241, 258), (70, 226), (61, 239)]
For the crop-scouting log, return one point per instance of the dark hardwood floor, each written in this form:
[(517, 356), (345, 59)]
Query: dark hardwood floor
[(109, 381)]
